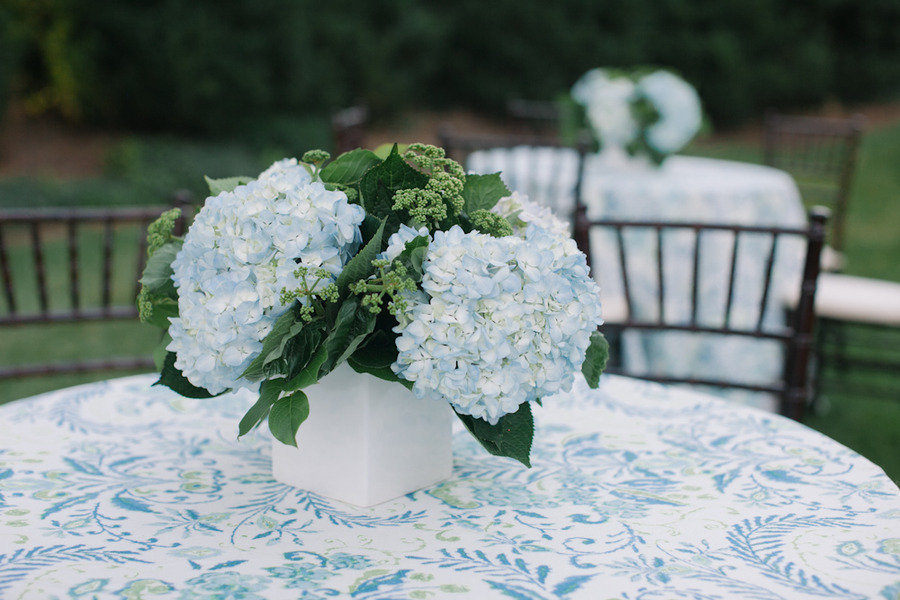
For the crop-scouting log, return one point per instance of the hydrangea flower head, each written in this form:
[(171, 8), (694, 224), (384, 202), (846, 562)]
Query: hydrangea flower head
[(502, 321), (607, 101), (678, 105), (239, 253), (522, 212)]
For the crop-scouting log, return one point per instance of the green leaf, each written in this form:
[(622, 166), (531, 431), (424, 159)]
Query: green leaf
[(299, 350), (379, 351), (157, 276), (378, 186), (160, 353), (483, 191), (310, 373), (360, 266), (510, 437), (226, 184), (595, 359), (352, 325), (273, 345), (175, 380), (162, 308), (384, 373), (349, 167), (384, 150), (268, 394), (286, 416)]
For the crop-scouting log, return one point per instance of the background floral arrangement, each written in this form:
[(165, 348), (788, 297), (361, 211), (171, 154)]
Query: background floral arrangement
[(400, 265), (652, 113)]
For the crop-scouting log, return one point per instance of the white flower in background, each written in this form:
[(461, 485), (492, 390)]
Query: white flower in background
[(678, 105), (607, 101), (522, 212), (503, 320), (238, 255)]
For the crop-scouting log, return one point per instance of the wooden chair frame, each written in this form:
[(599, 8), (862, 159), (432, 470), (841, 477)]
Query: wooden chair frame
[(36, 221), (797, 336), (830, 148)]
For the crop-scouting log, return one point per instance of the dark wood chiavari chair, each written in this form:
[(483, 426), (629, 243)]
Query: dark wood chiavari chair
[(38, 291), (821, 155), (796, 337), (859, 326)]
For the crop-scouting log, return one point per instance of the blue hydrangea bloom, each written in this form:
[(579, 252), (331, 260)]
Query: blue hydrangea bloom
[(502, 321), (237, 257)]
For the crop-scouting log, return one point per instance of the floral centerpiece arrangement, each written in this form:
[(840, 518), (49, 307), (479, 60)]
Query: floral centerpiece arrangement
[(650, 113), (398, 264)]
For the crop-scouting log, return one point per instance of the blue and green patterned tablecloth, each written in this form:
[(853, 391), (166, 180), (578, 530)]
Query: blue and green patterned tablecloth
[(120, 490)]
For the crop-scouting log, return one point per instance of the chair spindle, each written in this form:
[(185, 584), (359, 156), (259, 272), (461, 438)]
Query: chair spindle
[(38, 256)]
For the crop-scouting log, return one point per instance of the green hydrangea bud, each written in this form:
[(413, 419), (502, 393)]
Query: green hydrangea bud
[(315, 157), (159, 232), (491, 223)]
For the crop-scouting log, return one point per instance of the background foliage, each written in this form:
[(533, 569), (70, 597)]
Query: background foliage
[(205, 66)]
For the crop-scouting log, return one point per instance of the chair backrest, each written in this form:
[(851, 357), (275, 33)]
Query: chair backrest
[(821, 155), (348, 128), (72, 265), (542, 167), (647, 252), (541, 116)]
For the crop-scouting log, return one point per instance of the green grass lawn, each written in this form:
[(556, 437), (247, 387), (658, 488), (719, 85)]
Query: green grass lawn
[(146, 170)]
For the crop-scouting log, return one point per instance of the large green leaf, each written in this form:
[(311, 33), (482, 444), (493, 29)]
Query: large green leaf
[(286, 415), (310, 373), (349, 167), (360, 266), (268, 394), (378, 186), (384, 373), (595, 359), (379, 351), (510, 437), (157, 276), (175, 380), (354, 322), (482, 192), (226, 184)]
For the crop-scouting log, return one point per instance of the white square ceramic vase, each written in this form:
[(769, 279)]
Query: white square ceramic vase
[(366, 441)]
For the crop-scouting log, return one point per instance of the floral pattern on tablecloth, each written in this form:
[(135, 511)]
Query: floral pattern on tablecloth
[(638, 491), (682, 189)]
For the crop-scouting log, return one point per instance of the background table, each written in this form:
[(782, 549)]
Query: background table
[(120, 490), (683, 189)]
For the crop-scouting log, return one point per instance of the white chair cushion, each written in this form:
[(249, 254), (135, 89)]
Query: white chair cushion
[(856, 299)]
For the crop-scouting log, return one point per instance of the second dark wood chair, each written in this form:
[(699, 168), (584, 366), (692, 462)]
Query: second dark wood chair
[(821, 155)]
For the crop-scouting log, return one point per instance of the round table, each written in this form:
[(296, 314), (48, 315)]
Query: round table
[(682, 189), (123, 490)]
